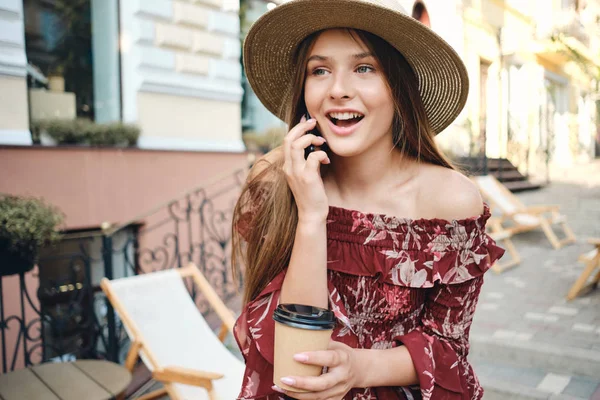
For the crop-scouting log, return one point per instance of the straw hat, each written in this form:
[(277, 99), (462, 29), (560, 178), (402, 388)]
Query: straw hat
[(272, 40)]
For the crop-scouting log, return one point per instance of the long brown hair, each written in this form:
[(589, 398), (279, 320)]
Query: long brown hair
[(266, 207)]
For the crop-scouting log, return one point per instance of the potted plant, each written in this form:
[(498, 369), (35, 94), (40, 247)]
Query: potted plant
[(26, 225), (56, 79), (83, 132)]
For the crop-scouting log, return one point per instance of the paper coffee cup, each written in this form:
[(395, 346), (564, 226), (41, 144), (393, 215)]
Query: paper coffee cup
[(299, 328)]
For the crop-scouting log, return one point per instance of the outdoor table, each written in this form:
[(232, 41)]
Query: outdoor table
[(84, 379)]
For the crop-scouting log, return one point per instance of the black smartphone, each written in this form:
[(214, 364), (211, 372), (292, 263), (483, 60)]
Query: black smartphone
[(312, 147)]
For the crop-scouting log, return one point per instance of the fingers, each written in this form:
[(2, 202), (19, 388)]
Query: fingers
[(301, 129), (314, 383), (295, 133), (297, 164), (303, 142), (315, 158), (335, 393), (331, 385), (327, 358)]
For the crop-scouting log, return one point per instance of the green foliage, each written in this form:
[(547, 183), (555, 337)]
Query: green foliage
[(28, 223), (83, 131), (265, 142), (588, 67), (113, 134)]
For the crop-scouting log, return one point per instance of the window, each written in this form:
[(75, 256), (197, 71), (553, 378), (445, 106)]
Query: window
[(73, 59)]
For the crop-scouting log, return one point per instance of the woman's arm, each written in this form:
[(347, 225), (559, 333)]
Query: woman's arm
[(385, 367), (306, 277)]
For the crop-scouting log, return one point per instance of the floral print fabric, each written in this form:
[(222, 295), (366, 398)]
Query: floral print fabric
[(391, 282)]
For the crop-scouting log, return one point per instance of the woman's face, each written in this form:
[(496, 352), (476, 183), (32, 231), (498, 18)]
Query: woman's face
[(346, 91)]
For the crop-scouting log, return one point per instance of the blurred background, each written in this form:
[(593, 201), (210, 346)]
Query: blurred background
[(128, 127)]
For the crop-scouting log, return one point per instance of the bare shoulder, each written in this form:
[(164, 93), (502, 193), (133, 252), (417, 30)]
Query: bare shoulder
[(450, 195), (261, 165)]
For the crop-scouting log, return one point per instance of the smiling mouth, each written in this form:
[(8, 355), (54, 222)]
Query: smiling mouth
[(346, 119)]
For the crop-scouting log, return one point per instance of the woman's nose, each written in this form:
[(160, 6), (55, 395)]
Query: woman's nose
[(340, 87)]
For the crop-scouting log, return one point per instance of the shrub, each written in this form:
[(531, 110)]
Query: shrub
[(28, 224), (266, 141), (82, 131)]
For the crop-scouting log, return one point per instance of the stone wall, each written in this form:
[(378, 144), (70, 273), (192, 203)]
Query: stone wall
[(181, 63)]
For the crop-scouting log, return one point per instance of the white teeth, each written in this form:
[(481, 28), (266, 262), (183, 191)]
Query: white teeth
[(344, 115)]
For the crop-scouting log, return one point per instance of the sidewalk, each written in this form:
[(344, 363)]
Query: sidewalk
[(527, 340)]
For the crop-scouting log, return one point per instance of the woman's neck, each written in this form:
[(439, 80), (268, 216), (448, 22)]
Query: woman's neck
[(369, 175)]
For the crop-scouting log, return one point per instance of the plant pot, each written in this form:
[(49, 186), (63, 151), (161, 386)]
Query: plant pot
[(56, 83), (46, 139), (14, 262)]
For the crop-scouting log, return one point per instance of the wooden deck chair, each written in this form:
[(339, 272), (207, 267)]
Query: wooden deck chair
[(502, 235), (592, 262), (517, 217), (170, 335)]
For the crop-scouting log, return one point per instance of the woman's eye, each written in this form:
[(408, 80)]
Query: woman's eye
[(319, 71), (363, 69)]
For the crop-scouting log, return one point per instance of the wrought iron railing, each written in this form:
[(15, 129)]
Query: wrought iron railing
[(68, 317)]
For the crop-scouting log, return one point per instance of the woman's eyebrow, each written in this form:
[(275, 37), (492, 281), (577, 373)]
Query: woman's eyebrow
[(358, 56), (317, 58)]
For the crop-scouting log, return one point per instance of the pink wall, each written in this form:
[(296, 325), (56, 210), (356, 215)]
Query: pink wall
[(95, 185), (114, 185), (11, 301)]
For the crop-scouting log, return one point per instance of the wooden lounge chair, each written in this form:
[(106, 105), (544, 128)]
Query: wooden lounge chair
[(170, 335), (592, 262), (516, 217), (502, 235)]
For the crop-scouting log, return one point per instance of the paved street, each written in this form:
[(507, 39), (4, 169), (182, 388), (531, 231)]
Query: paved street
[(527, 340)]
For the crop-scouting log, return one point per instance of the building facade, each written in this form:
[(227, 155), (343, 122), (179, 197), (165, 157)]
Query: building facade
[(170, 66), (533, 68)]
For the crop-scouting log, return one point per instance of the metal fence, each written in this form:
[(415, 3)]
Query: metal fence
[(68, 317)]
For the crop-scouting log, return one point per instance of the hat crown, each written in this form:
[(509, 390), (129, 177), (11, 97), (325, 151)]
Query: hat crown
[(393, 5)]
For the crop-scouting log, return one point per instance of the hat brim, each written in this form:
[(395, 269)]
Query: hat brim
[(272, 40)]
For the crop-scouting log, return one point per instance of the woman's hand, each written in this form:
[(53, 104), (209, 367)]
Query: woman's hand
[(342, 374), (303, 176)]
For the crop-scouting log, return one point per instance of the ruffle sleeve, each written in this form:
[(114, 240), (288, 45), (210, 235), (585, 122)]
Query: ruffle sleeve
[(440, 344), (254, 332), (410, 253)]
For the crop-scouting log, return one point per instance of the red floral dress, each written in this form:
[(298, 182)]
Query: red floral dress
[(392, 282)]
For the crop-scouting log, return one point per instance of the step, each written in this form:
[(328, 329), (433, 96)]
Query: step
[(510, 175), (478, 170), (556, 359), (521, 186), (501, 381), (492, 163)]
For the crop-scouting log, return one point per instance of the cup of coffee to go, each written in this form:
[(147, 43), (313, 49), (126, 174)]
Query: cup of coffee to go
[(299, 328)]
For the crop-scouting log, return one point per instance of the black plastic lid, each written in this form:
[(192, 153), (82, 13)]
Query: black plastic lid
[(304, 317)]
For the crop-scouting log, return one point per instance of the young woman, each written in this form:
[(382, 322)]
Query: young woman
[(378, 226)]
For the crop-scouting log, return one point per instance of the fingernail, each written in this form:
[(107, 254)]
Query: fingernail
[(327, 161), (303, 119), (277, 389), (301, 357), (323, 139), (288, 381)]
